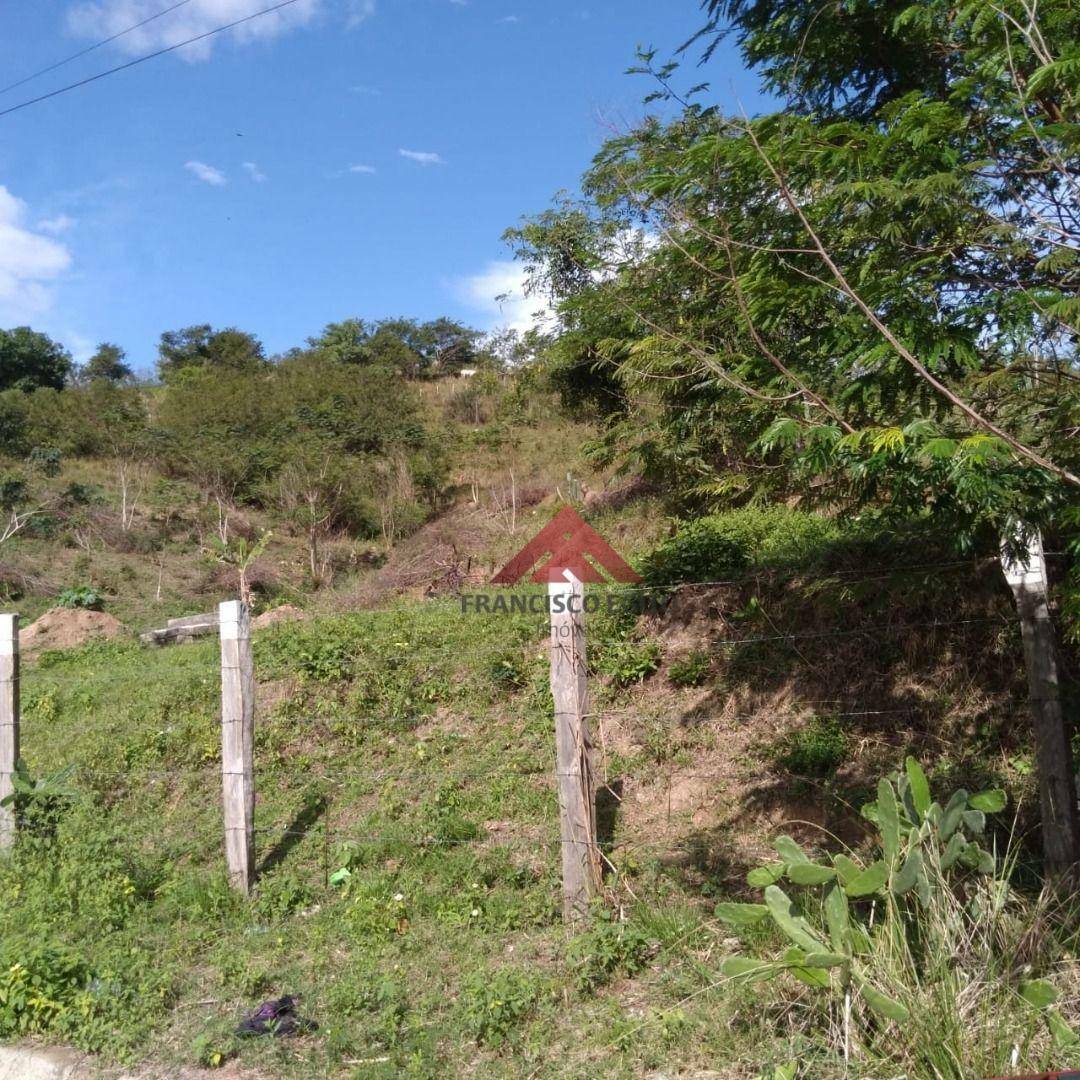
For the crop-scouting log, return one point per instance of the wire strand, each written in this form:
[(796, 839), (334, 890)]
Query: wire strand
[(148, 56), (91, 48)]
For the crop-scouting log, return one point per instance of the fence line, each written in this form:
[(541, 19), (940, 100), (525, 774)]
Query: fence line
[(575, 778), (793, 709), (876, 626)]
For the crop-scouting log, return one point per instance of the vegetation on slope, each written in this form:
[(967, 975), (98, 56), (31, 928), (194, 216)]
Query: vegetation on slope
[(407, 831)]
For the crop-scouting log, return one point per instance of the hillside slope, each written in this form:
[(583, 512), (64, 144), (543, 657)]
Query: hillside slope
[(407, 824)]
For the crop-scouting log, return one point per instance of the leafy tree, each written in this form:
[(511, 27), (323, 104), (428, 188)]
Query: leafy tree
[(29, 359), (108, 364), (121, 417), (446, 346), (394, 345), (12, 423), (344, 341), (868, 300), (309, 424), (204, 347), (413, 348)]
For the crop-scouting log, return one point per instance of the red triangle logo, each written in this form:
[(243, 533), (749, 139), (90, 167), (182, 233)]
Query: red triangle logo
[(568, 542)]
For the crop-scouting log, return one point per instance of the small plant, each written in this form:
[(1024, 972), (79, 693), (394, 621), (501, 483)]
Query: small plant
[(508, 673), (39, 804), (725, 545), (691, 670), (596, 956), (41, 990), (897, 946), (86, 597), (816, 750), (212, 1052), (495, 1003), (629, 662), (241, 554)]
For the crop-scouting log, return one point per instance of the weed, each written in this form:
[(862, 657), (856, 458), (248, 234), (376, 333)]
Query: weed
[(493, 1004), (911, 958), (690, 670), (608, 949), (82, 596), (628, 662), (815, 750), (722, 545)]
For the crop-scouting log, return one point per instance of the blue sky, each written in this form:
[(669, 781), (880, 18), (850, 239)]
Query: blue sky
[(341, 157)]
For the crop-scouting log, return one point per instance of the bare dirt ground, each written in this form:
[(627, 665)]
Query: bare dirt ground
[(66, 628)]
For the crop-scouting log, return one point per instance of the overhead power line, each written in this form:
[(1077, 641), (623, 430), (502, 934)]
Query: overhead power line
[(148, 56), (91, 48)]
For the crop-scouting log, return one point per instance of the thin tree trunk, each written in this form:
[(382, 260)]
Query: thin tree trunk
[(1025, 570), (313, 554)]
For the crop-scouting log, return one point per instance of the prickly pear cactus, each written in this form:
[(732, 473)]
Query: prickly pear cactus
[(922, 846)]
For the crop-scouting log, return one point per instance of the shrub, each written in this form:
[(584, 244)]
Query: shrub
[(39, 804), (816, 750), (712, 548), (628, 662), (910, 960), (494, 1003), (509, 673), (691, 670), (606, 950), (39, 988), (86, 597)]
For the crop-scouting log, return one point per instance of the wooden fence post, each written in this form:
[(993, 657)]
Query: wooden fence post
[(237, 743), (581, 868), (1025, 571), (9, 721)]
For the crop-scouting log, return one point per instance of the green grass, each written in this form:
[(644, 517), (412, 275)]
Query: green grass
[(409, 889), (409, 866)]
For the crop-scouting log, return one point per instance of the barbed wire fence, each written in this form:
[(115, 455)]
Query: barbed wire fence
[(587, 855)]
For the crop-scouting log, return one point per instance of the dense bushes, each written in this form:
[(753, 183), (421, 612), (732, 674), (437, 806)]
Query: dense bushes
[(710, 548)]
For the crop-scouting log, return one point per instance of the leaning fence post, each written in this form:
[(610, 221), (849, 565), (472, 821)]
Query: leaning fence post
[(9, 721), (237, 742), (573, 750)]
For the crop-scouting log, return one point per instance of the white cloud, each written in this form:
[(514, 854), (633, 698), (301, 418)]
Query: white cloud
[(359, 11), (54, 226), (508, 20), (422, 157), (29, 263), (367, 91), (253, 171), (498, 292), (206, 173), (94, 19), (366, 169)]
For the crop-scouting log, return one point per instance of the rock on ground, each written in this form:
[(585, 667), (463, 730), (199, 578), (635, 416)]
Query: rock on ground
[(41, 1063)]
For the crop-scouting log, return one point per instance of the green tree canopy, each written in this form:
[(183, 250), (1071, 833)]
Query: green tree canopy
[(204, 347), (868, 298), (413, 348), (29, 359), (343, 341), (108, 364)]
